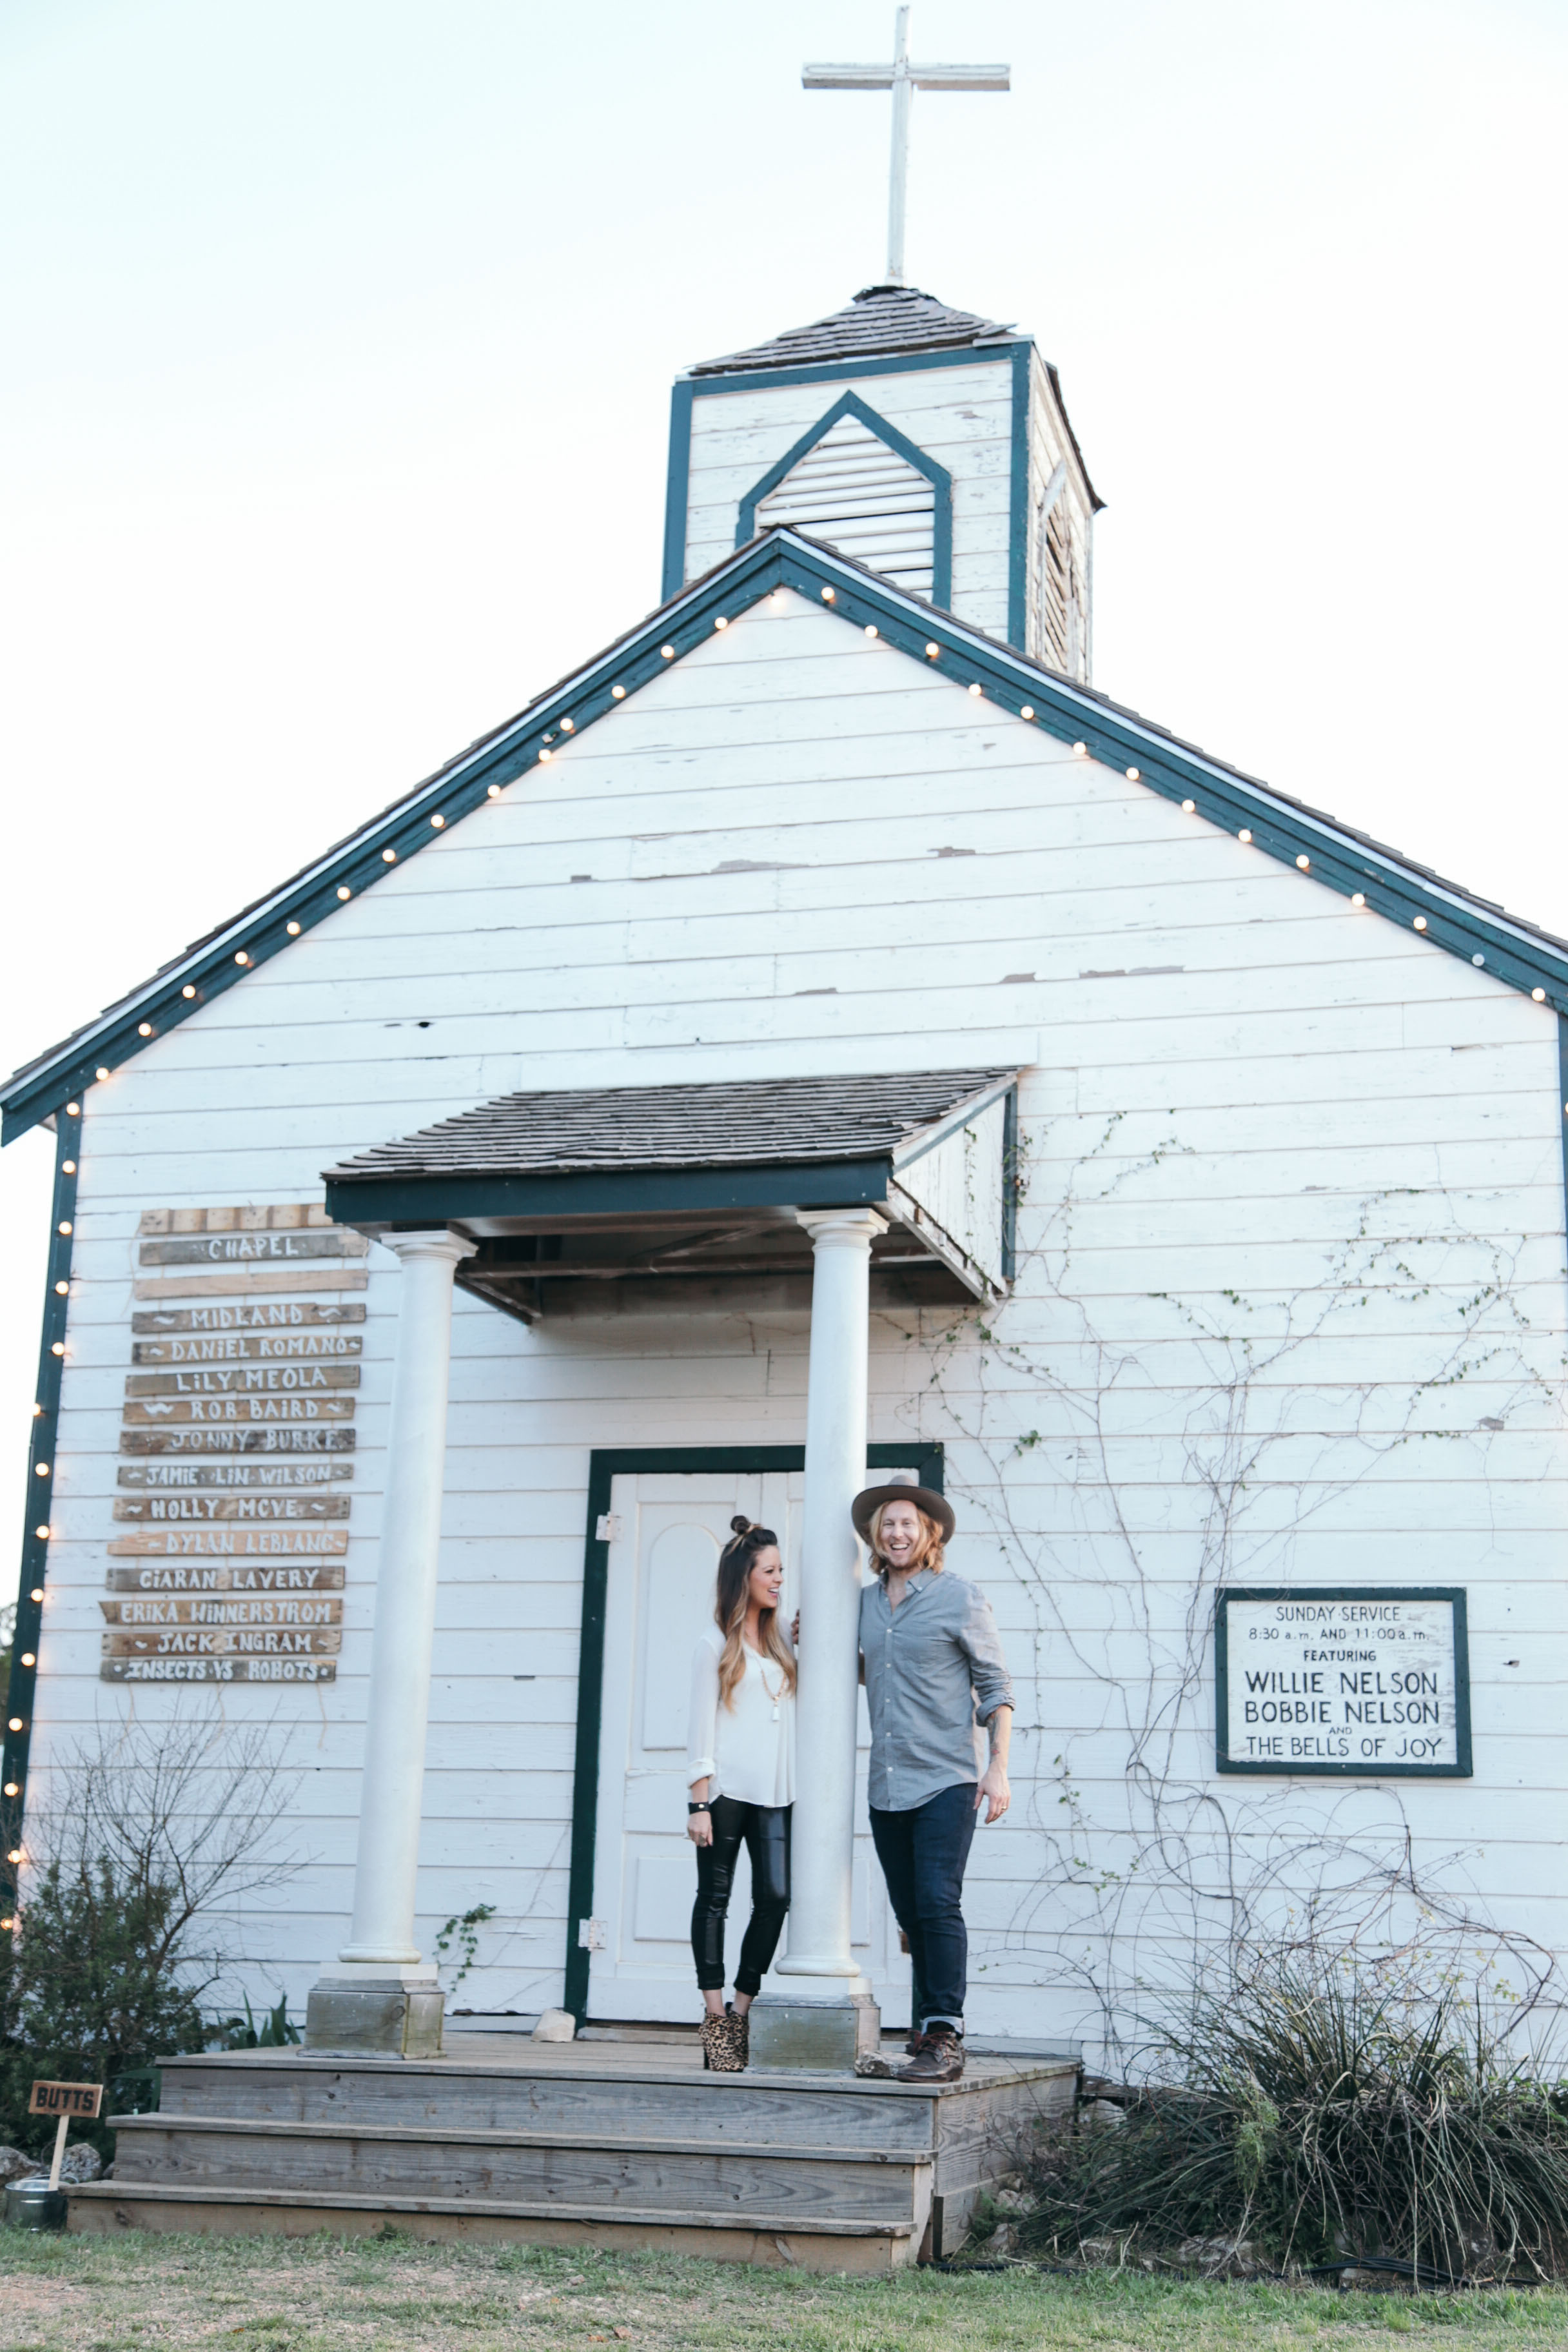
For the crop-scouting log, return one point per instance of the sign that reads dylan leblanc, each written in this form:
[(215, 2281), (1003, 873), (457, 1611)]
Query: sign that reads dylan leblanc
[(1366, 1682)]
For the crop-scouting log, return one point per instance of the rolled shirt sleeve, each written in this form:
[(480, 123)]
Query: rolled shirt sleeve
[(982, 1645), (702, 1715)]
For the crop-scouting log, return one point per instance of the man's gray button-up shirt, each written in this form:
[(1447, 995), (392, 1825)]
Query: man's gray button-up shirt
[(934, 1673)]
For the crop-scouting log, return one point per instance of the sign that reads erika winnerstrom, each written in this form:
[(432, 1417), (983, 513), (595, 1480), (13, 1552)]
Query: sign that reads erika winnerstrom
[(1366, 1681)]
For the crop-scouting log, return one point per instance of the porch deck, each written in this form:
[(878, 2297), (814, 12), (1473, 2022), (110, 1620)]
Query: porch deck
[(619, 2143)]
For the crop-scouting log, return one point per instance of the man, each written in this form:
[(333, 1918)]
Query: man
[(934, 1674)]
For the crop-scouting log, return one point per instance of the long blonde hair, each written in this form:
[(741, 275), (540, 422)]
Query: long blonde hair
[(931, 1553), (735, 1564)]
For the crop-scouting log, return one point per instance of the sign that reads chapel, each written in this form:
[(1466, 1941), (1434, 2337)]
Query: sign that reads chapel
[(1365, 1683)]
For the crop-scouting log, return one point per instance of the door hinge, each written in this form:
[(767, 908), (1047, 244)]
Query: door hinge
[(608, 1529), (591, 1936)]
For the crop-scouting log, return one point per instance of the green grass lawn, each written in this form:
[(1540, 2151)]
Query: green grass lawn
[(132, 2292)]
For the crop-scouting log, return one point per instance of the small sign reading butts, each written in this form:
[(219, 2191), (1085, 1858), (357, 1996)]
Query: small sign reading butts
[(1366, 1683), (236, 1577)]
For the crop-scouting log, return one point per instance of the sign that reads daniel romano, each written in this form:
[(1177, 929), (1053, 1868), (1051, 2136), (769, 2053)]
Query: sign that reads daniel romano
[(1366, 1681)]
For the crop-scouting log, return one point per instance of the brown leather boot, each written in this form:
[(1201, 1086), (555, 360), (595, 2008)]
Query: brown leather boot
[(939, 2058), (721, 2044), (915, 2044)]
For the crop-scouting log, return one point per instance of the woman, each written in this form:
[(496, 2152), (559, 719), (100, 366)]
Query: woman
[(741, 1764)]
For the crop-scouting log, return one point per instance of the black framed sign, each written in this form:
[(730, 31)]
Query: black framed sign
[(1363, 1682)]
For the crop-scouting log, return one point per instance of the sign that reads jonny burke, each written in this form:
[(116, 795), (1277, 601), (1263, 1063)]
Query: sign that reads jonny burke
[(1366, 1682)]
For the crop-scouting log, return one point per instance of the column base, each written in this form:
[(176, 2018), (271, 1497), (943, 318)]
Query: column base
[(825, 2034), (360, 2010)]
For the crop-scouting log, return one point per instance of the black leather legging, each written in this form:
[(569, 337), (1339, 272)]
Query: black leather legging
[(765, 1831)]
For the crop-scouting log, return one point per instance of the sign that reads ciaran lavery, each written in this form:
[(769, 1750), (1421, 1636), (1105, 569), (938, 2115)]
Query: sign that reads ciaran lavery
[(1366, 1681)]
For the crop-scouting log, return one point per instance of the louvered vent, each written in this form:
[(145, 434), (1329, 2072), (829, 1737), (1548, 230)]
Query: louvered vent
[(863, 499)]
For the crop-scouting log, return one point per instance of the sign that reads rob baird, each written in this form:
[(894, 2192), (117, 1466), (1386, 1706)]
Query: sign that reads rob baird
[(1365, 1682)]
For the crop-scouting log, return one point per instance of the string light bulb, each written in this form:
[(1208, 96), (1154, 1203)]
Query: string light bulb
[(16, 1722), (389, 857), (1081, 751), (1477, 960), (42, 1533), (68, 1167), (65, 1226), (343, 891), (62, 1289), (240, 956), (829, 595), (1420, 923), (40, 1469), (293, 930), (618, 694), (187, 991), (1027, 711), (1358, 897), (1189, 808), (870, 628), (36, 1593), (437, 822), (1305, 864), (1132, 775), (975, 689), (1245, 835), (933, 653), (545, 753), (668, 652), (144, 1029), (1538, 995), (102, 1071), (30, 1658), (720, 621), (569, 726), (59, 1347), (73, 1110)]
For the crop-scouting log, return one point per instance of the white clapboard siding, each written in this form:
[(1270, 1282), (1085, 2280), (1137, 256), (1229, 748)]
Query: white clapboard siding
[(1235, 1084), (860, 496)]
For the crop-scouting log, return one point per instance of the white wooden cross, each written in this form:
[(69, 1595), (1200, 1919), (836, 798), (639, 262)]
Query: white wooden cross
[(903, 80)]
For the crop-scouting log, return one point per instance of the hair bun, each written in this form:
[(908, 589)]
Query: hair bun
[(742, 1524)]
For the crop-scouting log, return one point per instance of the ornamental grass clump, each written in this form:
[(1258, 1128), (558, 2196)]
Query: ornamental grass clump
[(1324, 2106)]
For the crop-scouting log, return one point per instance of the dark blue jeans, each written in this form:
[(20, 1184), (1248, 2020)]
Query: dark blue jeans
[(922, 1854)]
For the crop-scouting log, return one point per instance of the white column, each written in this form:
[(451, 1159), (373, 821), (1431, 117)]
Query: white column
[(823, 1835), (381, 1935)]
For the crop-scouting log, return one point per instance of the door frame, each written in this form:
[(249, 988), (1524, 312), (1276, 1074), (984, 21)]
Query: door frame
[(605, 1463)]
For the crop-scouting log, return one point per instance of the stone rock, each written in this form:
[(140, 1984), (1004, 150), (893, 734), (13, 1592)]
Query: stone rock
[(1011, 2200), (1102, 2115), (1003, 2241), (555, 2025), (81, 2163), (1101, 2250), (14, 2164), (1229, 2257)]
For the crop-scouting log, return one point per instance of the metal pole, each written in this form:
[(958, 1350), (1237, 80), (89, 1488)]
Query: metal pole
[(899, 174)]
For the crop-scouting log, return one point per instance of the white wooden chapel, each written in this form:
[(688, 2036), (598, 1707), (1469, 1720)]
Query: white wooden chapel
[(824, 1029)]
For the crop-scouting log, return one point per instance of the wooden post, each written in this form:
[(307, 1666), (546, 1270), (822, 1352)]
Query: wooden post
[(64, 2100)]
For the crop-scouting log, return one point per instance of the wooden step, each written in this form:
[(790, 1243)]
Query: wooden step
[(682, 2104), (768, 2181), (825, 2243)]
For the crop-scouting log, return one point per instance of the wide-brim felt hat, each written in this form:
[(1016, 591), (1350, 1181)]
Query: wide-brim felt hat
[(935, 1506)]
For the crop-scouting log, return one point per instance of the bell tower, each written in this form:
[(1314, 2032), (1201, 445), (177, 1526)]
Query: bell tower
[(926, 443)]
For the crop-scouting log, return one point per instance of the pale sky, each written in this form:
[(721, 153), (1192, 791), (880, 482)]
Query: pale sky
[(338, 337)]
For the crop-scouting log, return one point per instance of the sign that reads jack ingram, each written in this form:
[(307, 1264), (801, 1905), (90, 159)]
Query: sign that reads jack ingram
[(1365, 1683)]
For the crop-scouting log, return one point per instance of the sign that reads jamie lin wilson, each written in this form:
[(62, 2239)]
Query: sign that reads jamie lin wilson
[(1367, 1682)]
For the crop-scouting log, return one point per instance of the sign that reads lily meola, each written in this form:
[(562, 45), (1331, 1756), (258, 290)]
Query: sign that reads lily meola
[(1368, 1682)]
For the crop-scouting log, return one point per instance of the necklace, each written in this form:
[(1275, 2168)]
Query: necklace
[(768, 1693)]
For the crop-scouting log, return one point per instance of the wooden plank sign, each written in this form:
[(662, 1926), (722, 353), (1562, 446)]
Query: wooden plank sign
[(67, 2099)]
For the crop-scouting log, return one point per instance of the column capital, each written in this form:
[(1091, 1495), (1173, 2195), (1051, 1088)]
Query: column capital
[(441, 1241), (842, 1226)]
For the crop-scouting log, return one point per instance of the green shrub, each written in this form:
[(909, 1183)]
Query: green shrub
[(1320, 2106)]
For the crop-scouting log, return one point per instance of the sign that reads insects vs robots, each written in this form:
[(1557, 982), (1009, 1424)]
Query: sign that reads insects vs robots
[(1370, 1683)]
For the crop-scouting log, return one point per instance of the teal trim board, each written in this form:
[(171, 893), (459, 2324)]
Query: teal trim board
[(850, 403), (1563, 1108), (606, 1466), (1335, 857), (1018, 516), (39, 1497)]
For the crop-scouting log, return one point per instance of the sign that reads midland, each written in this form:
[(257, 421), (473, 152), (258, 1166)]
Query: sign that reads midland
[(1367, 1682)]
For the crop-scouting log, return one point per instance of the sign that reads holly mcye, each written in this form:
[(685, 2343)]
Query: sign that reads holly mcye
[(1365, 1682)]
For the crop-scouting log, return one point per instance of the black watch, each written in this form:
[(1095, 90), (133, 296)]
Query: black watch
[(702, 1808)]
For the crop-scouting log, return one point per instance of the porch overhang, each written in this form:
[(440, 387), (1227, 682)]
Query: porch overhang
[(707, 1181)]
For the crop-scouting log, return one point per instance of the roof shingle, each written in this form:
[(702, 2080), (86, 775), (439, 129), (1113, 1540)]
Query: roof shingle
[(880, 320)]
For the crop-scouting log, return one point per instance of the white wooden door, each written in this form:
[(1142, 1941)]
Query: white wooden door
[(667, 1532)]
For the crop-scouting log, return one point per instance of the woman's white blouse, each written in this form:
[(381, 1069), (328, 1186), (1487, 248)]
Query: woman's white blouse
[(746, 1754)]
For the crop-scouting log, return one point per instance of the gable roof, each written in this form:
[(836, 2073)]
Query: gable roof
[(880, 320), (1336, 856)]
